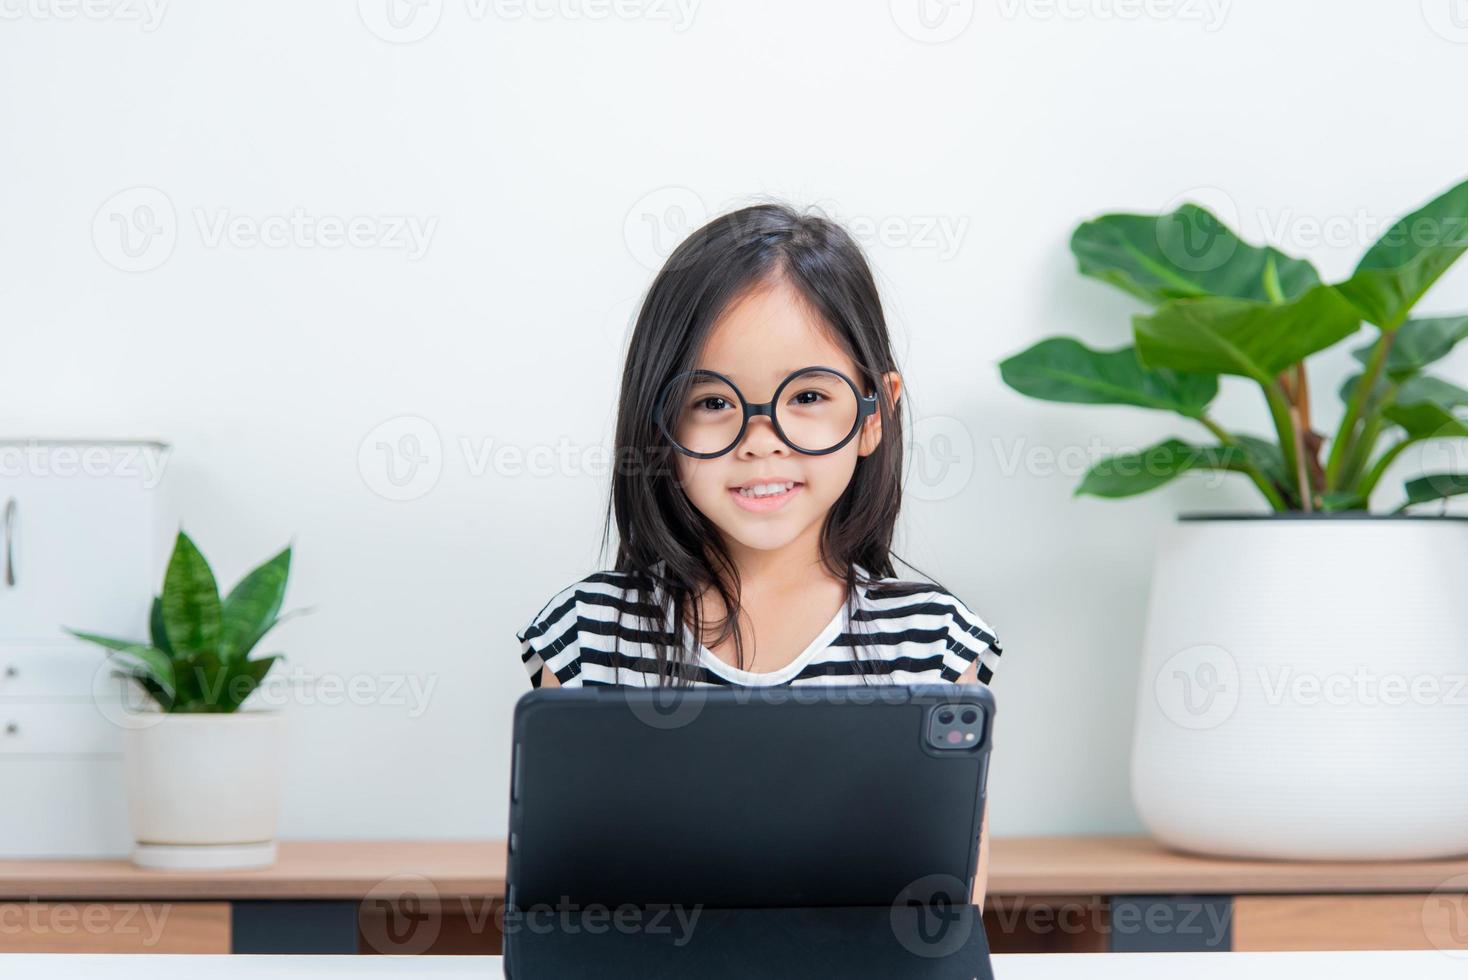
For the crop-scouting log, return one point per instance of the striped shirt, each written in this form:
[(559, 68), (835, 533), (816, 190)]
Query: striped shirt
[(600, 630)]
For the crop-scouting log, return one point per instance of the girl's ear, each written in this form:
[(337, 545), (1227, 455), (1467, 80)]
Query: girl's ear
[(871, 430)]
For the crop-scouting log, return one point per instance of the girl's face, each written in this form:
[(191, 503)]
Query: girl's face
[(759, 340)]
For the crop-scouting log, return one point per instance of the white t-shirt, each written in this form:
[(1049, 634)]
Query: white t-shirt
[(600, 631)]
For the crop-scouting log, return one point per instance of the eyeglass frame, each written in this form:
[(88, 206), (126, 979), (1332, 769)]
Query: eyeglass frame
[(866, 405)]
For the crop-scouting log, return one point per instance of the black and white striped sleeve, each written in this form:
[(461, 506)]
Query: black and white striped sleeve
[(552, 639), (970, 639)]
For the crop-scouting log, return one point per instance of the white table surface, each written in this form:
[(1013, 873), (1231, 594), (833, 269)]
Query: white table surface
[(1429, 965)]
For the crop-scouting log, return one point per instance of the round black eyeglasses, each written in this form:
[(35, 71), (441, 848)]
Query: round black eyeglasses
[(814, 411)]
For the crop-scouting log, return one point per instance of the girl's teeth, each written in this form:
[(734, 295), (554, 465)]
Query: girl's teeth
[(765, 489)]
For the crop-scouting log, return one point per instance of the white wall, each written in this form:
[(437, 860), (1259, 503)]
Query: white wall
[(534, 154)]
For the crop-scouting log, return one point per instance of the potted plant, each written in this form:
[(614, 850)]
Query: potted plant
[(1303, 670), (203, 771)]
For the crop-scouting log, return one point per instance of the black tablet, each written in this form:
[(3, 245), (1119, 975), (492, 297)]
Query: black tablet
[(626, 801)]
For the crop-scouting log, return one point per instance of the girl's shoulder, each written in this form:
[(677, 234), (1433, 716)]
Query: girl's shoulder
[(602, 603), (905, 610), (602, 587)]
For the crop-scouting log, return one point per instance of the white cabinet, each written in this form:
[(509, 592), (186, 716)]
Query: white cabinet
[(79, 548), (76, 539)]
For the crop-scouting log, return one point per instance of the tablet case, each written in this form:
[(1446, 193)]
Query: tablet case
[(745, 944), (798, 802)]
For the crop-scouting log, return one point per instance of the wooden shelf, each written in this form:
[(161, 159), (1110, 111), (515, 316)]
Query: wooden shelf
[(1058, 894), (1134, 865), (1018, 866), (303, 870)]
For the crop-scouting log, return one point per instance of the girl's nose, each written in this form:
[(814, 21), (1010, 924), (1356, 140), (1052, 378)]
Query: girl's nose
[(761, 439)]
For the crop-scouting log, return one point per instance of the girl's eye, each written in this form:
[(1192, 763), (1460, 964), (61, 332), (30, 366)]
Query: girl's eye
[(712, 403), (810, 397)]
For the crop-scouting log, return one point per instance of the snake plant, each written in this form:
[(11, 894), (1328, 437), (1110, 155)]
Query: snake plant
[(197, 658)]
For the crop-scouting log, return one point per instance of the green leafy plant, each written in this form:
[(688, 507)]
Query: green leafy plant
[(198, 657), (1220, 306)]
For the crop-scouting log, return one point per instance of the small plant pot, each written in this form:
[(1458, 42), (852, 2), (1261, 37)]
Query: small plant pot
[(1303, 688), (204, 789)]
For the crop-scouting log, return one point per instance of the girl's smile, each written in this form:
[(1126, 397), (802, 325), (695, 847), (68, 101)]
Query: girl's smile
[(764, 495)]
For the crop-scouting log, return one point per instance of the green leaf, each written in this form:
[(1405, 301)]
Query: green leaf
[(1234, 336), (1187, 253), (1436, 486), (156, 691), (244, 677), (1404, 263), (1334, 501), (1065, 370), (210, 684), (1424, 408), (191, 609), (156, 631), (251, 608), (1426, 421), (1266, 456), (1417, 343), (1348, 388), (1429, 389), (201, 679), (156, 663), (1128, 474)]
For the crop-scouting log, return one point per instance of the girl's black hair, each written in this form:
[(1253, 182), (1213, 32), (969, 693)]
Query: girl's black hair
[(675, 552)]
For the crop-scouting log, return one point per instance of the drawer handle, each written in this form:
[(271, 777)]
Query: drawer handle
[(9, 559)]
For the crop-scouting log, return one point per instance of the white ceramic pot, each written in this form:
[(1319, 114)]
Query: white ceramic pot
[(204, 789), (1304, 688)]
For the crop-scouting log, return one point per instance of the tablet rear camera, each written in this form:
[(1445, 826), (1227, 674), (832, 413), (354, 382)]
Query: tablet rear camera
[(954, 726)]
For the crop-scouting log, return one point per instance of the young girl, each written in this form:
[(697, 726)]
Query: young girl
[(757, 483)]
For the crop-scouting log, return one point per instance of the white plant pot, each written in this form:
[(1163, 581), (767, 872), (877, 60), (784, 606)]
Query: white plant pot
[(1304, 689), (204, 789)]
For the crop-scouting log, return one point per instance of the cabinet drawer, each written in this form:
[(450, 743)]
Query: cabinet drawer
[(39, 673), (63, 808), (75, 550), (1277, 923), (115, 927), (61, 700), (67, 729)]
